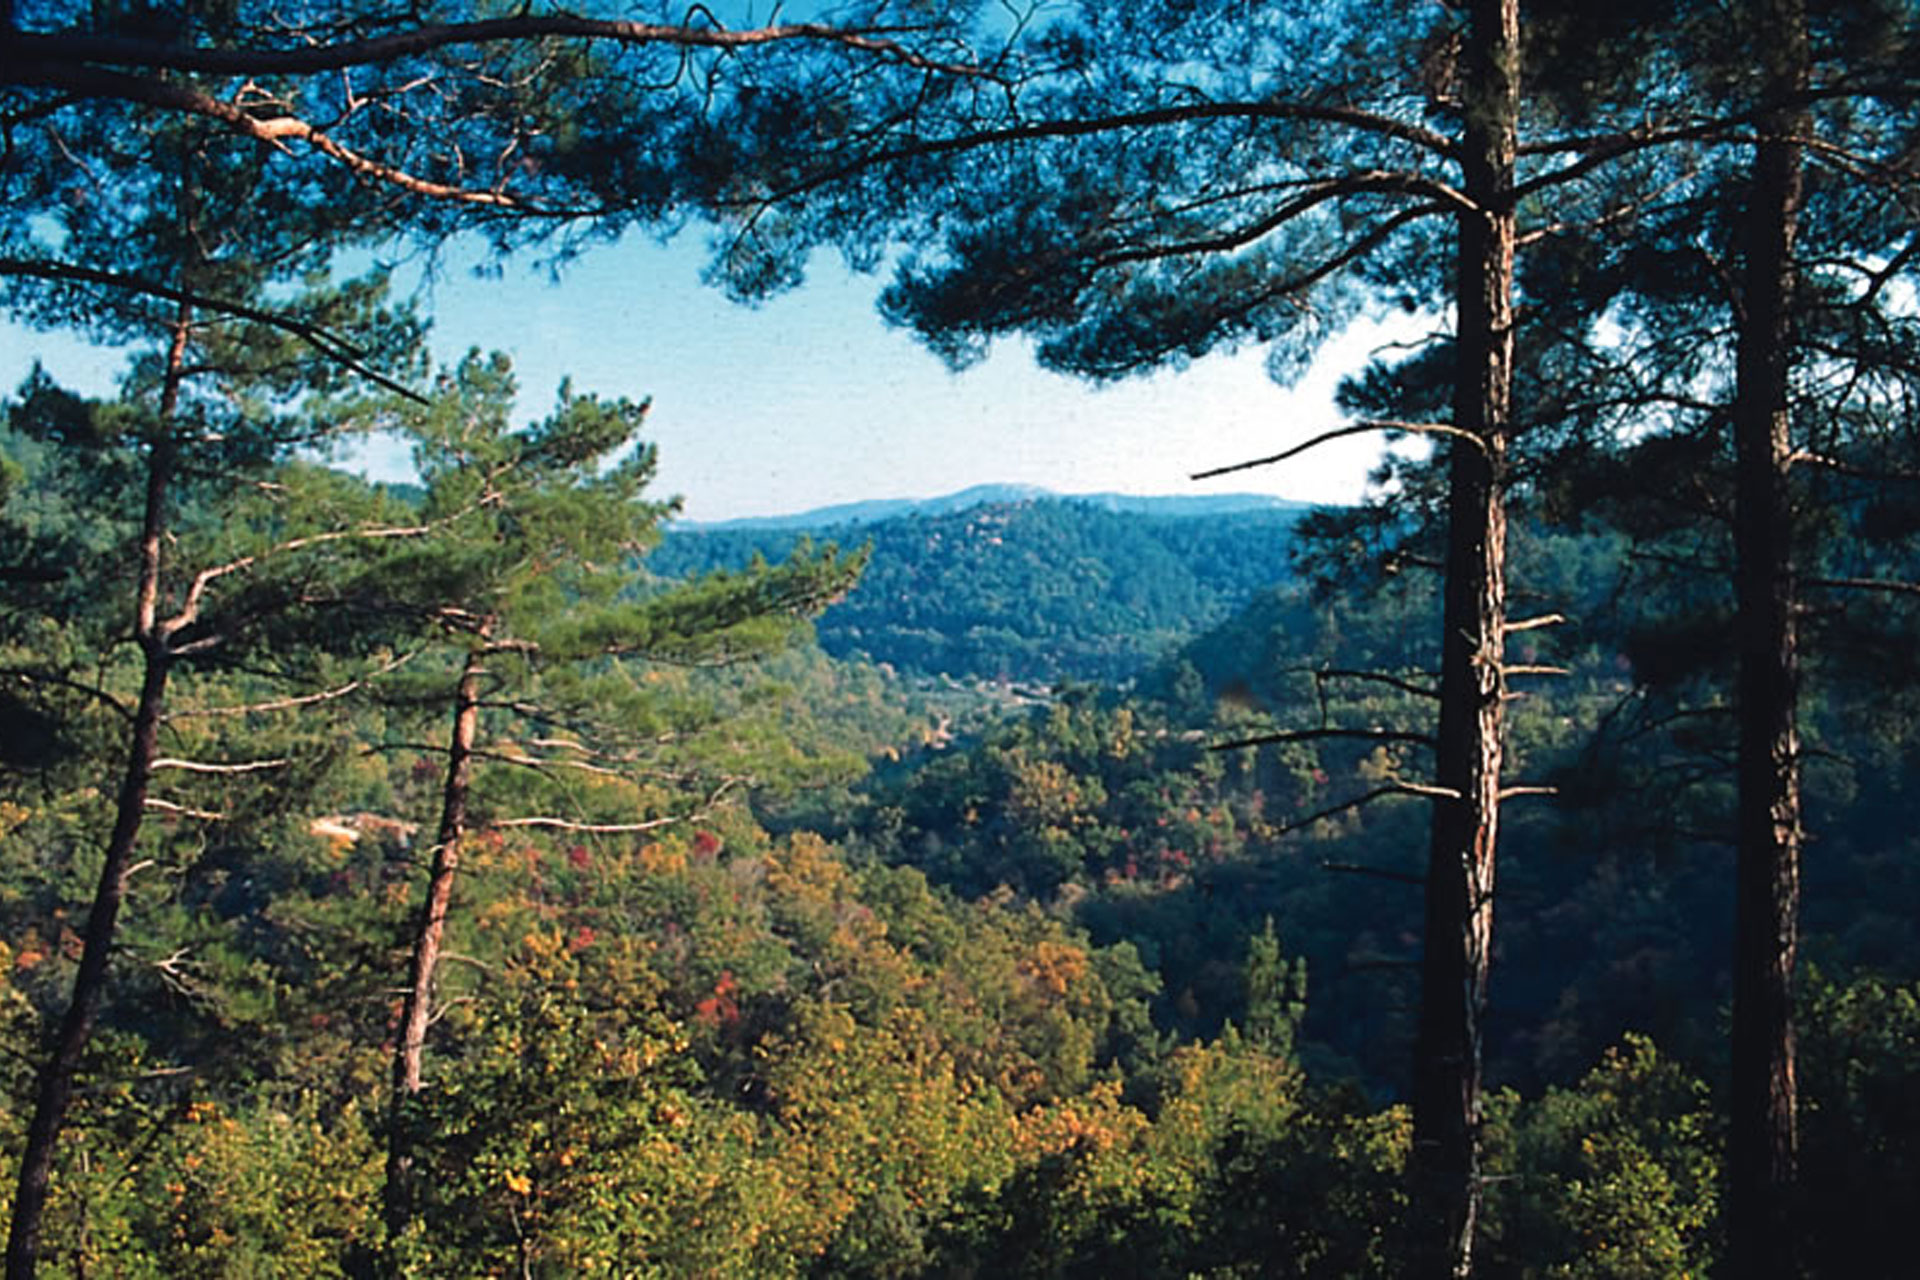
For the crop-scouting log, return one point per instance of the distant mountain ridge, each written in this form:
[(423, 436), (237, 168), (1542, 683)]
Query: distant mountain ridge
[(1014, 583), (874, 510)]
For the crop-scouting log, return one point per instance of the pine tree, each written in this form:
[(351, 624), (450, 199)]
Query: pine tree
[(207, 415), (1162, 182), (1752, 350), (530, 578)]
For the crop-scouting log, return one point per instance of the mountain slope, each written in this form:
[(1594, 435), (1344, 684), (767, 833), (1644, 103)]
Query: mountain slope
[(1041, 589)]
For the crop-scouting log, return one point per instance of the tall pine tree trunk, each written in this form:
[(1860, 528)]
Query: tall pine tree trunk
[(1446, 1188), (57, 1075), (416, 1012), (1763, 1147)]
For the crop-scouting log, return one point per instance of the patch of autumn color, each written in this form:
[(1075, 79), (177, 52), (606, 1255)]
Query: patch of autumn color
[(1220, 1088), (719, 1009), (1043, 793), (807, 866), (1054, 967), (1097, 1122), (659, 859)]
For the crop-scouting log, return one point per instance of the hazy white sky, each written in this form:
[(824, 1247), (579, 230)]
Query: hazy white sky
[(811, 399)]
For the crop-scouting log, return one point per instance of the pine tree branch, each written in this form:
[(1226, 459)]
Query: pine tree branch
[(275, 131), (1378, 677), (1602, 150), (1618, 213), (1339, 433), (115, 51), (1155, 117), (330, 345), (167, 806), (302, 700), (1889, 585), (78, 64), (1378, 793), (590, 828), (1533, 624), (540, 764), (1314, 735), (196, 591), (1238, 238), (196, 766), (30, 676), (1841, 467)]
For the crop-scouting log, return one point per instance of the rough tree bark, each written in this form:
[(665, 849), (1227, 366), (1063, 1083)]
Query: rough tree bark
[(416, 1012), (55, 1086), (1763, 1144), (1460, 870)]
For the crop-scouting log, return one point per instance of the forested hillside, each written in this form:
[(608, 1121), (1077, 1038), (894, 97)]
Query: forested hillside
[(1034, 591), (1515, 874)]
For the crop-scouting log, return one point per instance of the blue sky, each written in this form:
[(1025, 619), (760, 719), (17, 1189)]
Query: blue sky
[(812, 399)]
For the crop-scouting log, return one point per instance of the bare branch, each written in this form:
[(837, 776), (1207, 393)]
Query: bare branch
[(1338, 433), (1312, 735), (540, 765), (1507, 793), (1378, 793), (1378, 677), (444, 1007), (1533, 669), (591, 828), (167, 806), (304, 700), (196, 766), (1429, 790), (1533, 624)]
